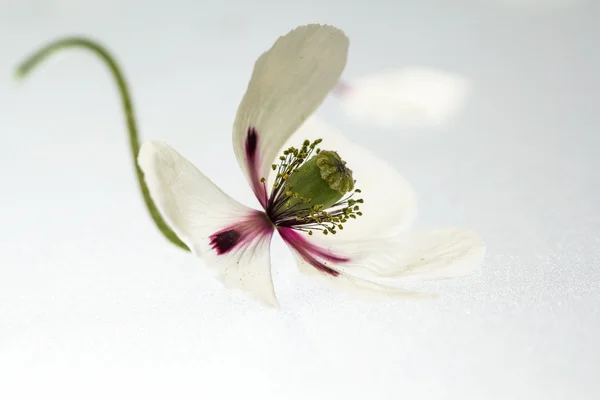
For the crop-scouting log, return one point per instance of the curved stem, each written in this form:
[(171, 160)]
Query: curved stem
[(36, 58)]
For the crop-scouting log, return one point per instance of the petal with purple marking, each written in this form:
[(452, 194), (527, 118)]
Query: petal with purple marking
[(232, 239), (381, 265), (289, 82)]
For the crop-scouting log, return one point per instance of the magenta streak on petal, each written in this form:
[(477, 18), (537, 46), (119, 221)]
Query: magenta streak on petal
[(310, 252), (252, 162), (241, 233)]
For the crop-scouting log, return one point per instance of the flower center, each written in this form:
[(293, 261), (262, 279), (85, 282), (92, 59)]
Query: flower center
[(313, 190)]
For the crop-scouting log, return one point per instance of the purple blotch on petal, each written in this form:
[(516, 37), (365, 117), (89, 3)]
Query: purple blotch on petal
[(251, 141), (224, 241), (248, 228), (251, 148)]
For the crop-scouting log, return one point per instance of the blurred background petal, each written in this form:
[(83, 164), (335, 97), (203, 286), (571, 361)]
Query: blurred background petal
[(411, 96)]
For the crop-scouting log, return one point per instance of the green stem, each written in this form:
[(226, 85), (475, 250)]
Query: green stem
[(36, 58)]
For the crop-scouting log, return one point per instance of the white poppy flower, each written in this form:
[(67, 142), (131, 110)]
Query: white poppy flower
[(303, 191), (412, 96)]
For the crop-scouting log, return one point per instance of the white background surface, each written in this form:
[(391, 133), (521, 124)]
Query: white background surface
[(94, 303)]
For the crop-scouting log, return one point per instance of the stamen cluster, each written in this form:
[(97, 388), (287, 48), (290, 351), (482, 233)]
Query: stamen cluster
[(288, 207)]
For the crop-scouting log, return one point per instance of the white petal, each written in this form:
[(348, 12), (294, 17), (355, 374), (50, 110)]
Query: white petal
[(288, 83), (414, 256), (349, 283), (390, 203), (411, 96), (384, 264), (232, 239)]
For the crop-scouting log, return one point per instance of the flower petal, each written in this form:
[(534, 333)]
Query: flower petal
[(233, 239), (288, 83), (415, 256), (390, 203), (383, 264), (412, 96)]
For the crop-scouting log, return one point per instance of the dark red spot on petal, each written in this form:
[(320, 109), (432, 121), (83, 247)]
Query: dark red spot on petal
[(248, 228), (224, 241), (252, 162), (251, 143)]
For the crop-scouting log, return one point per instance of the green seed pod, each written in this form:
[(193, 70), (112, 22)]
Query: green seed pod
[(320, 182)]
